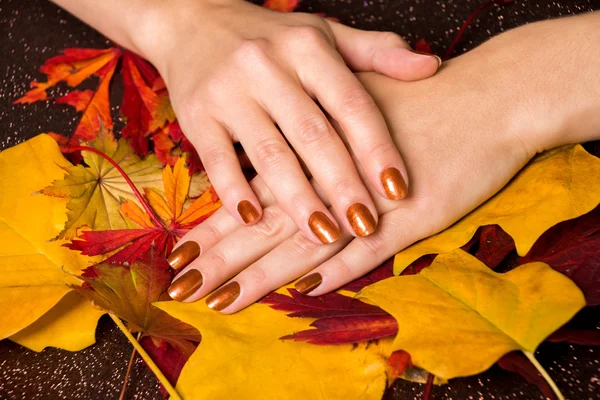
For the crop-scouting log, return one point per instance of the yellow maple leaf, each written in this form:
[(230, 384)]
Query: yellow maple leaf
[(557, 185), (241, 356), (35, 272), (458, 317)]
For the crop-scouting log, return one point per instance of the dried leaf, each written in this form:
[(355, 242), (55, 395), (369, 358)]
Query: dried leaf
[(460, 306), (241, 356), (557, 185), (35, 272), (95, 191), (516, 362), (494, 245)]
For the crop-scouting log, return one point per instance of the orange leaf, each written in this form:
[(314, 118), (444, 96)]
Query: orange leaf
[(200, 209), (135, 213), (281, 5), (163, 146), (177, 185)]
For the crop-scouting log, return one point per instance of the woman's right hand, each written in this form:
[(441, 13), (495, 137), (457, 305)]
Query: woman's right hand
[(234, 71)]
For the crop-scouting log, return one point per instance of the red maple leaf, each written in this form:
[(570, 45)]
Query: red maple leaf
[(573, 249), (161, 225), (384, 271), (340, 319), (423, 46)]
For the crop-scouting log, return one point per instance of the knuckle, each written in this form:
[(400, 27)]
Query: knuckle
[(390, 38), (213, 232), (342, 185), (262, 192), (356, 101), (252, 51), (215, 261), (302, 246), (306, 36), (382, 150), (312, 129), (271, 223), (257, 276), (373, 244), (341, 268), (270, 151), (216, 157)]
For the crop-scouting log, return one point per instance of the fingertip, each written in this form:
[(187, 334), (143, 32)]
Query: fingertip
[(248, 212), (405, 64)]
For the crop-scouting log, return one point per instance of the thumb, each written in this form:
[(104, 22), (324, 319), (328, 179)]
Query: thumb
[(383, 52)]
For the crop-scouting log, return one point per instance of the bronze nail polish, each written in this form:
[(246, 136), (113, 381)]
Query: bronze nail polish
[(247, 211), (186, 286), (323, 227), (223, 296), (183, 255), (309, 283), (361, 220), (393, 184)]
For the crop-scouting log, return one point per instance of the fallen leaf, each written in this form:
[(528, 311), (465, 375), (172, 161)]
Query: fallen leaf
[(384, 271), (128, 292), (423, 46), (584, 337), (171, 223), (281, 5), (517, 363), (558, 185), (193, 159), (69, 325), (241, 356), (95, 191), (398, 362), (573, 249), (35, 272), (460, 306), (167, 358), (494, 245), (340, 319)]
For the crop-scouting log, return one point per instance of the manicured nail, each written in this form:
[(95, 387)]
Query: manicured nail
[(361, 220), (323, 228), (247, 211), (223, 296), (423, 53), (309, 283), (183, 255), (186, 286), (393, 184)]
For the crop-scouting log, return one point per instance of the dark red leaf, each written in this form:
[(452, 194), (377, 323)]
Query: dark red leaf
[(167, 358), (384, 271), (494, 245), (519, 364), (193, 160), (584, 337), (64, 143), (423, 46), (341, 319), (573, 249), (416, 266)]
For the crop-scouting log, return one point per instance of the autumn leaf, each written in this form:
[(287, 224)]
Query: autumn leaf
[(281, 5), (194, 162), (73, 67), (95, 191), (494, 245), (340, 319), (384, 271), (241, 356), (128, 292), (517, 363), (167, 358), (423, 46), (557, 185), (35, 272), (573, 249), (398, 362), (460, 306), (162, 229)]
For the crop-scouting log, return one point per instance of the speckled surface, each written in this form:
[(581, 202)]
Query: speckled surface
[(33, 30)]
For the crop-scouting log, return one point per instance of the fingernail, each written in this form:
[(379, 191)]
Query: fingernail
[(323, 228), (308, 283), (361, 220), (185, 286), (247, 211), (393, 184), (423, 53), (183, 255), (223, 296)]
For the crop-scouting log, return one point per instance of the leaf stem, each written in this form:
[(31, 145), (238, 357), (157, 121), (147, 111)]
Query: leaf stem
[(129, 366), (153, 367), (137, 193), (464, 27), (428, 387), (544, 374)]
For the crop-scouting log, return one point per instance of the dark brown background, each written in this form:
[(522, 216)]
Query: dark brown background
[(34, 30)]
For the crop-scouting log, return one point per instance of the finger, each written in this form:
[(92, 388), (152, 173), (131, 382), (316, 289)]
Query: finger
[(297, 254), (398, 229), (225, 259), (280, 170), (383, 52), (220, 160), (344, 97), (204, 236)]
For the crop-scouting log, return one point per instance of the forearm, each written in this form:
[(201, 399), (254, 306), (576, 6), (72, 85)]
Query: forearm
[(553, 67)]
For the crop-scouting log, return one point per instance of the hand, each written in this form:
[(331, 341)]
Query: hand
[(234, 70), (459, 151)]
